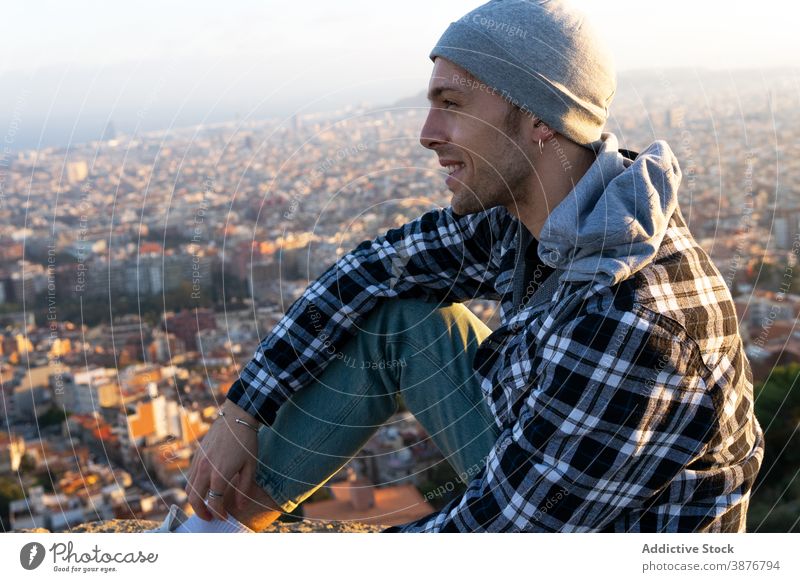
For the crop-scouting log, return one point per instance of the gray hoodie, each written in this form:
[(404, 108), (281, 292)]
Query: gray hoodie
[(613, 221), (608, 227)]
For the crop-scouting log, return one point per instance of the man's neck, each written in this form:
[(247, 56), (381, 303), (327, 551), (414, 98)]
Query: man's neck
[(556, 172)]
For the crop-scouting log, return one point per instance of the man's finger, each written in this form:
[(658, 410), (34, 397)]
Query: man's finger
[(198, 463), (192, 472), (215, 503), (197, 492)]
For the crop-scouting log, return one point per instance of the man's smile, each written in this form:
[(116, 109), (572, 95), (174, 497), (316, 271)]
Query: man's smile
[(453, 168)]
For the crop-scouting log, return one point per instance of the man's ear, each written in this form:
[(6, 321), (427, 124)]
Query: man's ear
[(542, 131), (536, 130)]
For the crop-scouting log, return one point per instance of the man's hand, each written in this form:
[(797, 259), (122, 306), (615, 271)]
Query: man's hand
[(228, 449)]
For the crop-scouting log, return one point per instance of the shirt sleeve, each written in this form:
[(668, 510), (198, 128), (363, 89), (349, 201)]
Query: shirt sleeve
[(441, 255), (615, 414)]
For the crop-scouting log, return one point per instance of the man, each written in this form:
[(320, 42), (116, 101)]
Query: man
[(615, 396)]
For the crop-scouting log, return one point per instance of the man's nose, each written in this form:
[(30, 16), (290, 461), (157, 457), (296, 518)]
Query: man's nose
[(432, 134)]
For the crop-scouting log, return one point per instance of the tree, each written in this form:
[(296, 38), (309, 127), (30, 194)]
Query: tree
[(775, 505), (54, 415), (9, 491), (778, 411)]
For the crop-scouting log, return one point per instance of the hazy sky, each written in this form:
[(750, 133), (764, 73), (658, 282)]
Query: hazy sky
[(377, 33), (67, 67)]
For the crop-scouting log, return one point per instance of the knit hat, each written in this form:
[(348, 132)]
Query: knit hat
[(540, 55)]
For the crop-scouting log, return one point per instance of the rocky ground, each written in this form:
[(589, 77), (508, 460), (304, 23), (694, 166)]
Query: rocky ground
[(135, 526)]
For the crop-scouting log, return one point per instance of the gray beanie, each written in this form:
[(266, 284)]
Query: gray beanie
[(540, 55)]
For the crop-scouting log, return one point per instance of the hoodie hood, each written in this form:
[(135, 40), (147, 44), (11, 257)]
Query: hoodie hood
[(612, 223)]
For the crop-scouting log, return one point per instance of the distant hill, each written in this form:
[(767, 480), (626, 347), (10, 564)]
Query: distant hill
[(418, 100)]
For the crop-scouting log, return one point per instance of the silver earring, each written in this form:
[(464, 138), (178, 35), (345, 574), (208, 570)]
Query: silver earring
[(541, 147)]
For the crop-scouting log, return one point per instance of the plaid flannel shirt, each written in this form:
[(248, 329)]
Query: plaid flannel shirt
[(631, 412)]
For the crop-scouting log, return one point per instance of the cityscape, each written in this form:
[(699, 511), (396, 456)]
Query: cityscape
[(138, 273)]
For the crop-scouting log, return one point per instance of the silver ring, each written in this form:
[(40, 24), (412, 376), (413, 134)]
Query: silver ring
[(212, 493)]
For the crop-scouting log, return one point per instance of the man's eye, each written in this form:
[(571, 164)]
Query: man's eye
[(447, 104)]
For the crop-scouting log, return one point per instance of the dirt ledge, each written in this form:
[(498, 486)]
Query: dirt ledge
[(136, 526)]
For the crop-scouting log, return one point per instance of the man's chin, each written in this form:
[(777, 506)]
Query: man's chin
[(467, 203)]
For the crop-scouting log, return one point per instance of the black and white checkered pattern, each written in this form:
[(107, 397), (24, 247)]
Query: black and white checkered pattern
[(624, 408)]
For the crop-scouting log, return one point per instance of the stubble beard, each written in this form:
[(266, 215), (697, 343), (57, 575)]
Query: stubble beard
[(498, 188), (469, 201), (496, 184)]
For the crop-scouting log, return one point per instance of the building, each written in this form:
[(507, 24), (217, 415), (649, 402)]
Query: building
[(89, 391), (77, 172), (29, 280), (164, 346), (158, 418), (186, 324), (32, 393)]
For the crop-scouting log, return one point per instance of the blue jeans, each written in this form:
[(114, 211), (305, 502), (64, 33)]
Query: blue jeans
[(406, 349)]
